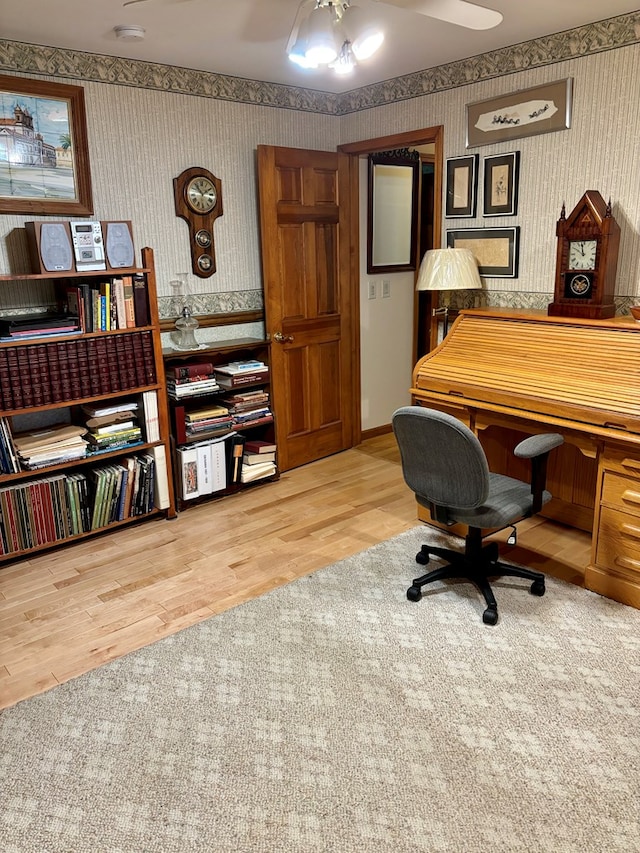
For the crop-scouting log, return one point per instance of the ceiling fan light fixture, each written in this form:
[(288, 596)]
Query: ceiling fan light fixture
[(297, 52), (345, 62), (364, 33), (322, 47)]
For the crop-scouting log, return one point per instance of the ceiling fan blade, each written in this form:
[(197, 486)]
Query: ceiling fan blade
[(459, 12)]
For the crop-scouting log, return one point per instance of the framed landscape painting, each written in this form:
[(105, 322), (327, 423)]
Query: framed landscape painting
[(44, 157)]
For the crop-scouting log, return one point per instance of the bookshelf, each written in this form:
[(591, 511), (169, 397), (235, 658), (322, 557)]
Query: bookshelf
[(207, 422), (51, 387)]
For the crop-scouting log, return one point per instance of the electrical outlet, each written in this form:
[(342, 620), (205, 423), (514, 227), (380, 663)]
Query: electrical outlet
[(372, 290), (386, 288)]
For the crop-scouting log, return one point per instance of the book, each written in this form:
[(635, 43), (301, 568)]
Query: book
[(250, 473), (205, 483), (257, 458), (161, 482), (129, 308), (185, 371), (121, 311), (237, 380), (257, 445), (151, 418), (218, 466), (188, 465), (140, 300)]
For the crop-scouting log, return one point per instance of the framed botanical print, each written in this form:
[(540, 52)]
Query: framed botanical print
[(462, 186), (44, 157), (500, 197)]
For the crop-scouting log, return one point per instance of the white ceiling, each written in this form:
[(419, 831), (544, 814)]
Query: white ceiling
[(247, 38)]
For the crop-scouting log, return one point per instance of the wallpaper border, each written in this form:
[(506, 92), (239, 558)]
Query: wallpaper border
[(76, 65)]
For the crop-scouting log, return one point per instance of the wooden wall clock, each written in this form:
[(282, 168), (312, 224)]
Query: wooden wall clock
[(198, 199), (587, 260)]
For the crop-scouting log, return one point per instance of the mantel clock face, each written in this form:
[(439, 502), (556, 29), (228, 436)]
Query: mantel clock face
[(198, 200), (586, 261)]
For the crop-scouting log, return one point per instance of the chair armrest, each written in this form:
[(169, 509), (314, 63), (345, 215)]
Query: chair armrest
[(536, 445), (537, 448)]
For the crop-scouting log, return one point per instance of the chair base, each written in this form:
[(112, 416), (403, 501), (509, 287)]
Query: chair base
[(477, 564)]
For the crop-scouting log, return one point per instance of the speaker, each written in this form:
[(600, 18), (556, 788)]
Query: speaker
[(118, 244), (50, 247)]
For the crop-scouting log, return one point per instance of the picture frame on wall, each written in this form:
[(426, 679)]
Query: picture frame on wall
[(496, 250), (462, 186), (44, 168), (527, 112), (500, 184)]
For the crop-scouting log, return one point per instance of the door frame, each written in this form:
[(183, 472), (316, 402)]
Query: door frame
[(422, 310)]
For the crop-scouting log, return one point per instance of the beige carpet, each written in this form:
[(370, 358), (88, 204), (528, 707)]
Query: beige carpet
[(334, 715)]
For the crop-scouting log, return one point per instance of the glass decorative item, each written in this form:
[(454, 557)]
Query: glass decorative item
[(184, 337), (186, 326)]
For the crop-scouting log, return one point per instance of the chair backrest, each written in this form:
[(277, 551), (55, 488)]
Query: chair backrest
[(442, 460)]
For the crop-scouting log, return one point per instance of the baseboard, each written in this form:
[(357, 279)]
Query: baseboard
[(385, 429)]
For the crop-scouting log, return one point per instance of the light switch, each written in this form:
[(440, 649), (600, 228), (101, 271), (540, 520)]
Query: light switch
[(372, 290)]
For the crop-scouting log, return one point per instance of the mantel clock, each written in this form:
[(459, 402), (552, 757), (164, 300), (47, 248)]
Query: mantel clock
[(198, 200), (587, 260)]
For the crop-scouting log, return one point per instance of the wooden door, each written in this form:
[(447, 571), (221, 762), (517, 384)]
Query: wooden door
[(310, 301)]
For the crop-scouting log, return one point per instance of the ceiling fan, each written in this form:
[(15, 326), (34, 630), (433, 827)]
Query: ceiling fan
[(336, 34)]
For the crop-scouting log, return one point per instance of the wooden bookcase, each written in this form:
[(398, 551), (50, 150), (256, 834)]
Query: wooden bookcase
[(99, 368), (218, 353)]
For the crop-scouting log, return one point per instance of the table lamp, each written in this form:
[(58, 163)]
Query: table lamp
[(448, 269)]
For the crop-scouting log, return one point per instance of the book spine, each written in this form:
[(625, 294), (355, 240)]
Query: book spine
[(130, 362), (82, 355), (136, 342), (112, 357), (103, 365), (5, 380), (73, 369), (148, 358), (187, 371), (24, 376), (34, 373), (140, 299), (129, 307), (93, 366), (55, 380), (44, 371)]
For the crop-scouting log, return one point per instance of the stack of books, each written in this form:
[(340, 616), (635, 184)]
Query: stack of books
[(50, 446), (249, 408), (214, 419), (239, 373), (112, 427), (20, 327), (191, 380), (258, 460)]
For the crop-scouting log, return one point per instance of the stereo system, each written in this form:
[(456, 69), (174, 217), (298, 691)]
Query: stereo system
[(80, 246)]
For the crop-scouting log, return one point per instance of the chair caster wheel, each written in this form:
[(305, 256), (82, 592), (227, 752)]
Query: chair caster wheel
[(537, 588), (414, 593), (422, 558), (490, 616)]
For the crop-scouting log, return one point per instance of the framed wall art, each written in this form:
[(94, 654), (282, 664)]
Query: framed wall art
[(44, 157), (495, 249), (500, 196), (462, 186), (540, 109)]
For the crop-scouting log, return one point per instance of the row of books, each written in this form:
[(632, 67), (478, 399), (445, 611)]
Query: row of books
[(55, 371), (196, 379), (51, 509), (211, 466), (107, 428), (120, 302)]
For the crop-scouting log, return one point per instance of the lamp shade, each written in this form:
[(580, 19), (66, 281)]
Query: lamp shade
[(448, 269)]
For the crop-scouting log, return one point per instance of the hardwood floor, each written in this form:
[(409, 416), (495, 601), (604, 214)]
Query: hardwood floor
[(69, 611)]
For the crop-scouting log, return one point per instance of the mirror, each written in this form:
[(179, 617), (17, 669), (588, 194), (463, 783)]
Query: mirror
[(392, 215)]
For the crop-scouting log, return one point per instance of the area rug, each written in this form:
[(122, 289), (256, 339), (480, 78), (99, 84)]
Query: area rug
[(334, 715)]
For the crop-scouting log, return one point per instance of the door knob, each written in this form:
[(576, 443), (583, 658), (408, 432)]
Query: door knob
[(283, 339)]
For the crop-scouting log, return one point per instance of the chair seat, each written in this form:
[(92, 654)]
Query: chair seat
[(508, 499)]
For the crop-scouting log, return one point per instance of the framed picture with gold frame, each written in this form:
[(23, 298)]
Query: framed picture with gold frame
[(495, 249), (44, 168)]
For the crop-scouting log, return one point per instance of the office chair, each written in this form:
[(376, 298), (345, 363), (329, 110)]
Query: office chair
[(444, 464)]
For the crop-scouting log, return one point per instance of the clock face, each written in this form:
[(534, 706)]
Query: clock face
[(201, 195), (582, 254)]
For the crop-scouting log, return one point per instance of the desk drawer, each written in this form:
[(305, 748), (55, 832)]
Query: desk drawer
[(619, 543), (621, 492)]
